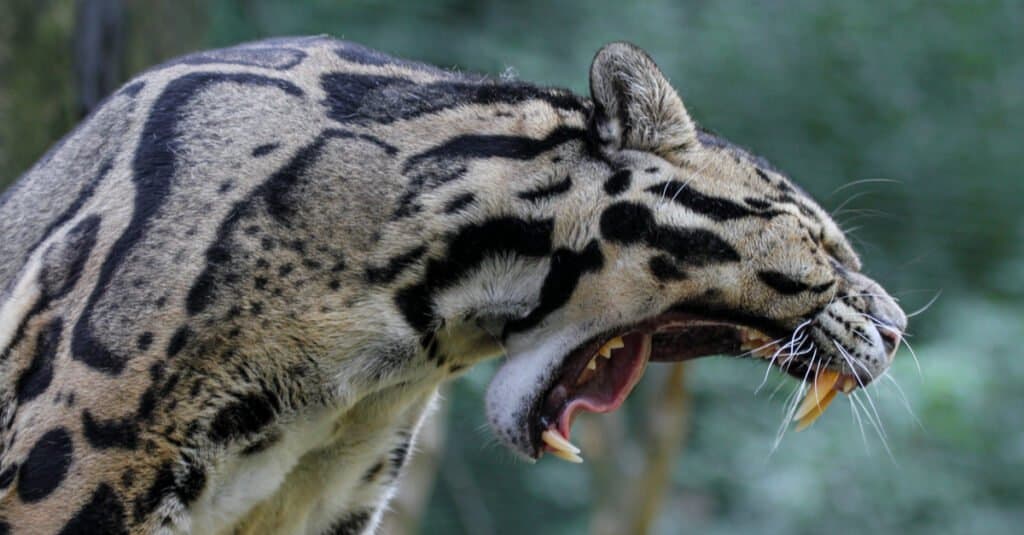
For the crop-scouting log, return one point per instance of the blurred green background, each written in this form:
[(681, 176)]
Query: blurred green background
[(905, 119)]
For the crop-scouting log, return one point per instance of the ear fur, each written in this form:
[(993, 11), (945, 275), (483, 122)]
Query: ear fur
[(634, 105)]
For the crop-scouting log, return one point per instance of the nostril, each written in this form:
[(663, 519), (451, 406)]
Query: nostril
[(890, 337)]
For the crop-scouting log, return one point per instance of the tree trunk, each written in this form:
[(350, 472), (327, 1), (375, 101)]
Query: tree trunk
[(99, 51)]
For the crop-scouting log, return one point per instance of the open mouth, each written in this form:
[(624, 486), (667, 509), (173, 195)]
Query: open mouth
[(599, 374)]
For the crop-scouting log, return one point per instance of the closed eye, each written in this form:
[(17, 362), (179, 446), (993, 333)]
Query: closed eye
[(786, 285)]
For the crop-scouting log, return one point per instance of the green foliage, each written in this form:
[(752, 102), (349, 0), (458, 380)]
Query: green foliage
[(919, 101)]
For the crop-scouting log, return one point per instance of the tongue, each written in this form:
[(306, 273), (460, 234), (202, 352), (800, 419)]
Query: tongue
[(605, 391)]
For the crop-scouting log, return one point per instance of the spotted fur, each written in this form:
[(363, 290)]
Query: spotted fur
[(229, 296)]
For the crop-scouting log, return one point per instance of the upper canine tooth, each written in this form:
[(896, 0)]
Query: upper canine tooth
[(818, 397), (553, 438), (567, 456)]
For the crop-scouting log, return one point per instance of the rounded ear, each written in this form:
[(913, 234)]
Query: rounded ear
[(634, 105)]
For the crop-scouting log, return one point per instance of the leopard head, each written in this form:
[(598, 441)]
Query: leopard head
[(689, 246)]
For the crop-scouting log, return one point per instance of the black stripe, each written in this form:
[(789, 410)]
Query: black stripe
[(717, 208), (458, 203), (545, 192), (79, 201), (632, 223), (154, 168), (355, 98), (496, 146), (445, 163), (394, 267), (469, 247), (782, 283), (567, 268)]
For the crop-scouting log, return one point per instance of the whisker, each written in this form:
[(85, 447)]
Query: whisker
[(852, 198), (860, 423), (876, 424), (903, 397), (926, 306), (864, 181)]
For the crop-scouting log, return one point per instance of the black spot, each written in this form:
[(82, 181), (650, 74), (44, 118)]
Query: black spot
[(104, 434), (631, 223), (264, 150), (466, 250), (178, 341), (350, 524), (192, 483), (717, 208), (567, 267), (37, 377), (104, 513), (334, 284), (144, 341), (458, 203), (46, 465), (128, 478), (259, 283), (618, 182), (651, 170), (546, 192), (154, 169), (163, 485), (373, 472), (394, 267), (763, 176), (782, 283), (664, 268), (244, 416)]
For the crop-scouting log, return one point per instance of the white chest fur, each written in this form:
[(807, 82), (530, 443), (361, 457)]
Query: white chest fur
[(314, 473)]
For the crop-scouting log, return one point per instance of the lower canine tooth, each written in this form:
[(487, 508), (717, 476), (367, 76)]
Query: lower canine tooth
[(553, 438)]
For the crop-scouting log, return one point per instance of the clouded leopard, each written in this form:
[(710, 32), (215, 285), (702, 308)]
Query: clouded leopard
[(228, 297)]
